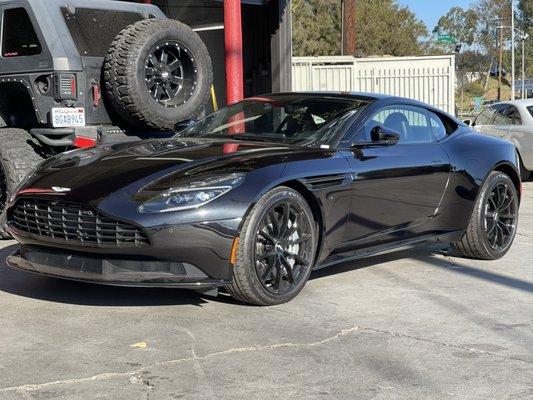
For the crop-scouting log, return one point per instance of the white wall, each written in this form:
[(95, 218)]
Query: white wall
[(427, 79)]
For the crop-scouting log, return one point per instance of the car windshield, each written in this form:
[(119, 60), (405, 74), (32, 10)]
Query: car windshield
[(287, 119), (530, 109)]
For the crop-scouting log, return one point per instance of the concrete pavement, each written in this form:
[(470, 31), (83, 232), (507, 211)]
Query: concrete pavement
[(412, 325)]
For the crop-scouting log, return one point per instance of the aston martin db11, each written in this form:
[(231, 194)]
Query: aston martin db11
[(257, 195)]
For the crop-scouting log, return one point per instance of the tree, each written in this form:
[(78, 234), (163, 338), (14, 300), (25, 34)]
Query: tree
[(382, 28), (460, 23), (491, 15), (525, 23), (316, 27)]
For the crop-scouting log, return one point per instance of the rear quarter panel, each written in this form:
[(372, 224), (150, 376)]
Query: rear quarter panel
[(473, 157)]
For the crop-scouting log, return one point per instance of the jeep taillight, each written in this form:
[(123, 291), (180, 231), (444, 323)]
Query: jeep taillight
[(65, 87)]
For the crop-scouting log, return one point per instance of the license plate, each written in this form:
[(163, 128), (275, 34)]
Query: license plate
[(68, 117)]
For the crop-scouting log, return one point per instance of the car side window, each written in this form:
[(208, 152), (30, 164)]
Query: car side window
[(412, 123), (515, 115), (504, 115), (437, 125), (18, 34), (485, 117)]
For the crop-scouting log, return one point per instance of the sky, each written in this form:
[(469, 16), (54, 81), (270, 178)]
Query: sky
[(430, 11)]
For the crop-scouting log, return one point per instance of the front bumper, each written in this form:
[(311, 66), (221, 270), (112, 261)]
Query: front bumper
[(188, 255), (111, 270)]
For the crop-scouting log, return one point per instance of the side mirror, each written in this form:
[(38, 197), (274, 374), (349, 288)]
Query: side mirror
[(384, 136)]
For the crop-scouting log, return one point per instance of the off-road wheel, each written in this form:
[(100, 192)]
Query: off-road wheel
[(277, 249), (18, 157), (492, 227), (157, 73)]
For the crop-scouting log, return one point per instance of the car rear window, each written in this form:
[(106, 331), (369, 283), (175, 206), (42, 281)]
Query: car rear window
[(18, 34), (530, 109), (93, 30)]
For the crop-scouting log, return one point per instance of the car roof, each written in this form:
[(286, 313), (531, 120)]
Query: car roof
[(385, 99), (518, 102), (343, 95)]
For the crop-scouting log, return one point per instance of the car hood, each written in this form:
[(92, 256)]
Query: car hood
[(94, 173)]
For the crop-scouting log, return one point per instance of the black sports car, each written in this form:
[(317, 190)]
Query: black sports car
[(257, 195)]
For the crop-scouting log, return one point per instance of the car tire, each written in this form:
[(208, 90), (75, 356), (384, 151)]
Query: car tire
[(18, 157), (143, 70), (278, 278), (493, 223)]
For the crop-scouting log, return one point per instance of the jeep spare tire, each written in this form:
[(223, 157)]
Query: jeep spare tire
[(18, 157), (157, 73)]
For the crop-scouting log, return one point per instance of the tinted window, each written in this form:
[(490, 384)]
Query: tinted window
[(530, 109), (504, 115), (437, 125), (94, 30), (281, 118), (485, 118), (18, 34), (411, 122), (515, 115)]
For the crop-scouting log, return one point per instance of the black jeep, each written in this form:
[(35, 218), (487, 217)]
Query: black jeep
[(75, 73)]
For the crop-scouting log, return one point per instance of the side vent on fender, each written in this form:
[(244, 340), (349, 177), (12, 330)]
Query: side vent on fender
[(327, 181)]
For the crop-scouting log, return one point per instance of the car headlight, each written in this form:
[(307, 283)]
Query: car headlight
[(192, 195)]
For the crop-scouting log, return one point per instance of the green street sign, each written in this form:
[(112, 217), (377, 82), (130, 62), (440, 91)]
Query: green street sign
[(446, 39)]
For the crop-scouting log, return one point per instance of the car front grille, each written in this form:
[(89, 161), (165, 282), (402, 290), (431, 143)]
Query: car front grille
[(73, 224)]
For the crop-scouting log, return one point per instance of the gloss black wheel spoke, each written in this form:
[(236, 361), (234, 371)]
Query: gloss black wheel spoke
[(294, 225), (267, 236), (300, 260), (288, 268), (170, 74), (273, 221), (505, 229), (266, 255), (174, 65), (491, 228), (303, 238), (267, 271), (285, 215), (277, 282), (508, 216)]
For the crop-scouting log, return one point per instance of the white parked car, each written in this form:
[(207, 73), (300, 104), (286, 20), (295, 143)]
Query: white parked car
[(513, 121)]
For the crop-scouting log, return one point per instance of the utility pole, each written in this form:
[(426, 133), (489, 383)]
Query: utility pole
[(348, 24), (500, 65), (512, 52), (523, 67)]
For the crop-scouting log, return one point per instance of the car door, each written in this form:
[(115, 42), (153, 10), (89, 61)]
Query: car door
[(521, 135), (397, 188), (483, 122), (501, 122)]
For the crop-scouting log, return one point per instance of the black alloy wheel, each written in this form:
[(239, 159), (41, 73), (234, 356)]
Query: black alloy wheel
[(500, 216), (283, 247), (277, 249), (170, 74)]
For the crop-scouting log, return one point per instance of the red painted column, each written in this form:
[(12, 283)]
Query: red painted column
[(233, 48)]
